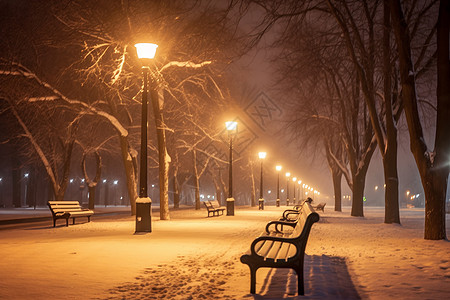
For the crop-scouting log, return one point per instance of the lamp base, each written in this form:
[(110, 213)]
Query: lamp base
[(230, 206), (261, 204), (143, 215)]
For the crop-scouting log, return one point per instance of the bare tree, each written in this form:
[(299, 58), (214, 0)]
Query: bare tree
[(92, 183), (433, 165)]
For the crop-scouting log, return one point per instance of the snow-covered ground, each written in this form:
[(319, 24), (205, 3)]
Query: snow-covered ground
[(194, 257)]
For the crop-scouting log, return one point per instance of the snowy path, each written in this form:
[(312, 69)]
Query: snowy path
[(194, 257)]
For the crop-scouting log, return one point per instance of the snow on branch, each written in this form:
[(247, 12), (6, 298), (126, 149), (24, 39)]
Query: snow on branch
[(23, 71), (184, 64)]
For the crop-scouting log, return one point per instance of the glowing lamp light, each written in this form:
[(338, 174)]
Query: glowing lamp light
[(299, 182), (288, 174), (104, 180), (294, 179), (262, 155), (146, 50), (278, 168), (231, 126)]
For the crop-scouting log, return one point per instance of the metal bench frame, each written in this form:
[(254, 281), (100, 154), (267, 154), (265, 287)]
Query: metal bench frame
[(68, 209), (297, 238)]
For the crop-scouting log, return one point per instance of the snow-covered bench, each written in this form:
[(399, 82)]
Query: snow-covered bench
[(320, 206), (280, 248), (68, 209), (214, 208)]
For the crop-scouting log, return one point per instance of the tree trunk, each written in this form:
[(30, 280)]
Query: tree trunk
[(358, 194), (16, 181), (129, 163), (176, 188), (91, 190), (433, 167), (435, 188), (196, 181), (391, 210), (337, 177), (389, 151), (176, 193), (92, 184), (164, 159), (253, 196)]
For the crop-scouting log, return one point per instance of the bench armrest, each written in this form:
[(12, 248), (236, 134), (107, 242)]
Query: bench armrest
[(288, 212), (277, 223)]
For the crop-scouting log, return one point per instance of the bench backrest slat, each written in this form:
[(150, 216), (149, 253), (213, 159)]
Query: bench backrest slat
[(64, 206), (214, 203)]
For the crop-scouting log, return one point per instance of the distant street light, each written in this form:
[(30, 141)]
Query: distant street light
[(261, 155), (288, 175), (231, 127), (145, 52), (278, 168)]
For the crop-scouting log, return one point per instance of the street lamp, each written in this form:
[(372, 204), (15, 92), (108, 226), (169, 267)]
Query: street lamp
[(278, 168), (300, 195), (261, 155), (288, 175), (294, 180), (145, 52), (231, 127)]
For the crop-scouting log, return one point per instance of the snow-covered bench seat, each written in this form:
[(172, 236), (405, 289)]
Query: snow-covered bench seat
[(68, 209), (214, 208), (280, 248)]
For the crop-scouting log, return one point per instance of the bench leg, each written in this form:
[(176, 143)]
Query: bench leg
[(54, 222), (89, 218), (300, 281), (67, 222), (252, 280), (73, 223)]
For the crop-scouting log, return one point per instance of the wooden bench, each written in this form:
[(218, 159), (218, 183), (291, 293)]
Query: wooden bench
[(214, 208), (320, 206), (280, 248), (68, 209)]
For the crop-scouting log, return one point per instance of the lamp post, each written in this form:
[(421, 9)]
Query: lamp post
[(278, 168), (232, 129), (295, 181), (288, 175), (145, 52), (300, 196), (261, 155), (303, 192)]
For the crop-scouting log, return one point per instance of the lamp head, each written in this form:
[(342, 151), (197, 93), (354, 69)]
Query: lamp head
[(231, 126), (262, 155), (146, 52)]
